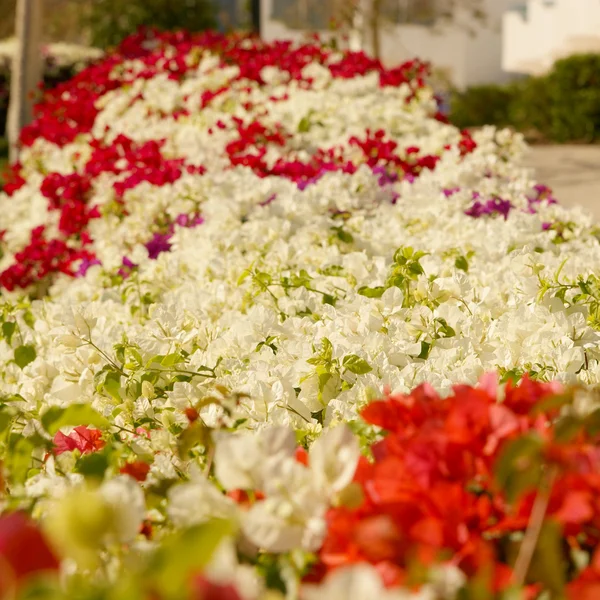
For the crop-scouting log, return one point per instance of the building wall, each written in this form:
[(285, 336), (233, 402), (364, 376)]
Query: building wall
[(545, 30), (470, 53)]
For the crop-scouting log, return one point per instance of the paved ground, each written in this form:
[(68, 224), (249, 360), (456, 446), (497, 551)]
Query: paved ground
[(573, 172)]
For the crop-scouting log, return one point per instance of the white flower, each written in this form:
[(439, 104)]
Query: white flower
[(197, 502), (126, 499), (241, 459), (333, 458), (360, 582)]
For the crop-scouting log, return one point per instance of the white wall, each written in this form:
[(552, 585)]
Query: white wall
[(548, 30), (468, 59)]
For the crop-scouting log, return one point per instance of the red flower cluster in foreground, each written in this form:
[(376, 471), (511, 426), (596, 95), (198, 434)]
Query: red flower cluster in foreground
[(454, 478), (24, 552)]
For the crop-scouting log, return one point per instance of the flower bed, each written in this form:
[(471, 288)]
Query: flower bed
[(60, 62), (218, 255)]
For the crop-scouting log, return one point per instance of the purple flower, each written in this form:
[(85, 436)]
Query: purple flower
[(128, 266), (491, 207), (86, 263), (385, 178), (543, 194), (181, 220), (450, 191), (128, 263), (189, 221), (476, 210), (159, 243)]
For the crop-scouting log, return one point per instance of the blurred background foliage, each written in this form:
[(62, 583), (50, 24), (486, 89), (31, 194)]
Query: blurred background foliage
[(104, 23), (109, 21), (561, 106)]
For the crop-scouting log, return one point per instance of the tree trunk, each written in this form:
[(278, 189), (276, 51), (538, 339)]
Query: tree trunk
[(375, 26), (255, 6), (26, 72)]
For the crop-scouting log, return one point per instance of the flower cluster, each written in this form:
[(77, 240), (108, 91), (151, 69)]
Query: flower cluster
[(215, 254)]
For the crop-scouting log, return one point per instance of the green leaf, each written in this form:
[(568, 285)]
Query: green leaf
[(567, 428), (402, 255), (196, 434), (326, 349), (263, 279), (416, 268), (444, 330), (112, 384), (6, 418), (28, 318), (155, 360), (323, 375), (584, 287), (245, 274), (356, 364), (185, 553), (76, 414), (304, 125), (462, 263), (172, 359), (343, 236), (548, 561), (425, 350), (332, 271), (24, 355), (368, 292), (519, 466), (93, 465), (592, 423), (302, 279), (552, 403), (8, 329), (514, 375), (329, 299), (20, 459)]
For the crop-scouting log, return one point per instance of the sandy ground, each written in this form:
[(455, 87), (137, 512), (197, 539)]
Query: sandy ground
[(573, 172)]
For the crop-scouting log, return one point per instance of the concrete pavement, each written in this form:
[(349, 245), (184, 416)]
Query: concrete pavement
[(573, 172)]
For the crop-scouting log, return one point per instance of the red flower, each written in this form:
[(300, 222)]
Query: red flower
[(301, 456), (23, 551), (81, 438), (431, 490), (204, 589), (138, 470)]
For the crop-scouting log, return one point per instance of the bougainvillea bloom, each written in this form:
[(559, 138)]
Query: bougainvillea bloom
[(81, 438), (24, 551), (215, 252)]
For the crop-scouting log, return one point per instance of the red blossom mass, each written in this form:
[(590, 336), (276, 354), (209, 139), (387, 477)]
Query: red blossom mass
[(454, 477), (24, 551)]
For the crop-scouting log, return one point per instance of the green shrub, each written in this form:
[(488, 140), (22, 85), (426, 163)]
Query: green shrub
[(481, 105), (109, 21), (574, 95), (562, 106), (529, 110)]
